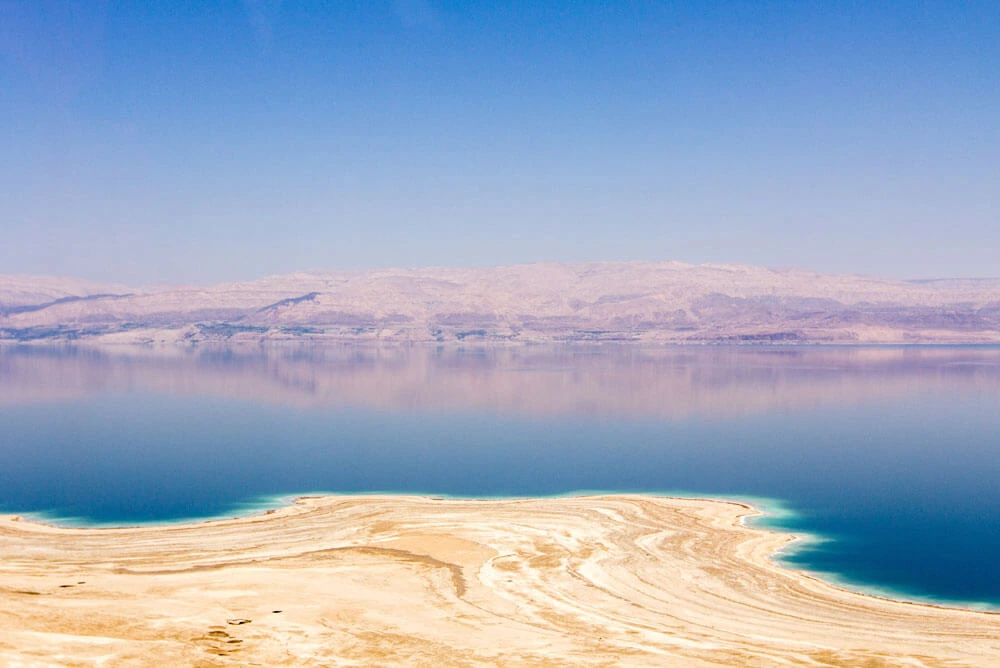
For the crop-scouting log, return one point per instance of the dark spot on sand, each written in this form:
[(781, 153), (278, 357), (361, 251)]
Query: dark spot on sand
[(237, 621)]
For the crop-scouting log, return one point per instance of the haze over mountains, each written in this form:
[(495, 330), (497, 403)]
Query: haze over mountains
[(551, 302)]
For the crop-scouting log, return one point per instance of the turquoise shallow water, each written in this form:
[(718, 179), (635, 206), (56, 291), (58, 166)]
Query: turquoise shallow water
[(889, 455)]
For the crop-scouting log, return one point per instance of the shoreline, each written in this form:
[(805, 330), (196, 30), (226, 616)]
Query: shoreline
[(660, 580), (760, 509), (99, 343)]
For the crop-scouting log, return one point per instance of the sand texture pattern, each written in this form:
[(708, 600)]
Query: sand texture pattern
[(340, 581)]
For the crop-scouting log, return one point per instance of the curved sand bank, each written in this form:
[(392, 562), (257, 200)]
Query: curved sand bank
[(610, 580)]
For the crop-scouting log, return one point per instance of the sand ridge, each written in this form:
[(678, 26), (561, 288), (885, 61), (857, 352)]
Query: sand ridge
[(402, 580)]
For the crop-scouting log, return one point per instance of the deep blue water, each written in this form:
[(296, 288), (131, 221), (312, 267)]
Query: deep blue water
[(891, 454)]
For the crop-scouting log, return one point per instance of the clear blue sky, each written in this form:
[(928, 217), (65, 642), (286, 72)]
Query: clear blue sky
[(149, 142)]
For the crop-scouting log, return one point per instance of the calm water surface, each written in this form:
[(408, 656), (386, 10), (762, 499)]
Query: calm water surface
[(891, 455)]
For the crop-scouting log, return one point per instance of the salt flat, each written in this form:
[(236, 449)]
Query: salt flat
[(392, 580)]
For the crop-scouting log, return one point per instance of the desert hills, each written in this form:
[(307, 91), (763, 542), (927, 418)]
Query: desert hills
[(550, 302)]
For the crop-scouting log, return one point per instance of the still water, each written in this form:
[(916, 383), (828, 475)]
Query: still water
[(890, 456)]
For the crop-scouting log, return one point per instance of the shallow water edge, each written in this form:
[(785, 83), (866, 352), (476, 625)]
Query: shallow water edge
[(768, 515)]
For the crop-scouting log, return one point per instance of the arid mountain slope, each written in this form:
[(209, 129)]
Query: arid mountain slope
[(620, 301), (31, 292)]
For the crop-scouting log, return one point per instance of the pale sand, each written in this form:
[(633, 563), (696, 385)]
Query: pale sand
[(612, 580)]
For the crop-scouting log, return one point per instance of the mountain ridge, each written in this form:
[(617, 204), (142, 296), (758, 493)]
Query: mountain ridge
[(639, 301)]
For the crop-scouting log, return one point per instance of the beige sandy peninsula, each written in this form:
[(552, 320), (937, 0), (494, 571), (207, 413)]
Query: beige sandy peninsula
[(340, 581)]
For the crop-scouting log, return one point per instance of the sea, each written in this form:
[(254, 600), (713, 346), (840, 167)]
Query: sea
[(885, 461)]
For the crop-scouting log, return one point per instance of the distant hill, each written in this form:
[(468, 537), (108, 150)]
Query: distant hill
[(36, 291), (601, 301)]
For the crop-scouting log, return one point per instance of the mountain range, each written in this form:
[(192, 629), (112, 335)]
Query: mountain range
[(549, 302)]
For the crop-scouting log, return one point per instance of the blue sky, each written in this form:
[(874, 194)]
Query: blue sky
[(195, 142)]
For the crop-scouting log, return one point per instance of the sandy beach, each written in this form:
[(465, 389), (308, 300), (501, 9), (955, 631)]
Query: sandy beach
[(393, 580)]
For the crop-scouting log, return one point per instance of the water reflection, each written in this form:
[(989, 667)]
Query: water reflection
[(889, 452), (664, 382)]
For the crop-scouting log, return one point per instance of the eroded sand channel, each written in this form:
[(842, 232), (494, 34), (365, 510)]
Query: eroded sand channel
[(610, 580)]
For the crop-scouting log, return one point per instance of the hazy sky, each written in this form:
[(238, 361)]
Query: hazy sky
[(150, 142)]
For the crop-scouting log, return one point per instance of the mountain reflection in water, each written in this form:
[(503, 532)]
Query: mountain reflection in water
[(663, 382)]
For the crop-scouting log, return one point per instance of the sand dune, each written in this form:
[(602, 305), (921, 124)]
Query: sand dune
[(615, 580)]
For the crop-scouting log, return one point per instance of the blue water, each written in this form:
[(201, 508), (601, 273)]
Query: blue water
[(891, 455)]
